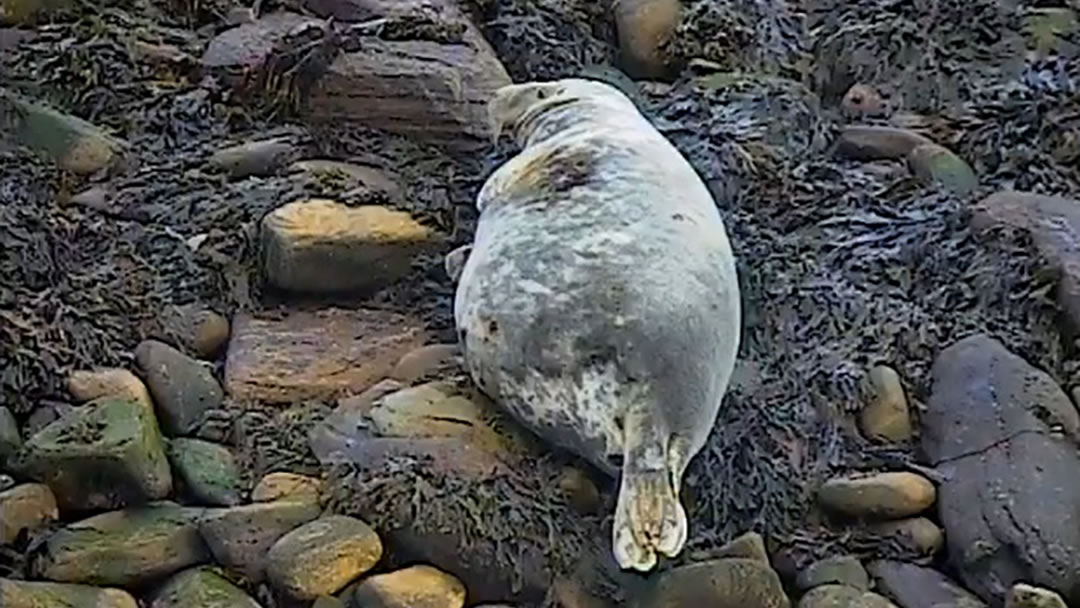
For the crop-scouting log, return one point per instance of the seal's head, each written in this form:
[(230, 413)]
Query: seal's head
[(525, 108)]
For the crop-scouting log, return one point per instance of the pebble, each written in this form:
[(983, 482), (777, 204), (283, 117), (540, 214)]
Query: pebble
[(88, 385), (840, 570), (239, 537), (862, 100), (200, 588), (878, 495), (10, 440), (936, 164), (77, 145), (1022, 595), (414, 587), (257, 158), (183, 388), (643, 26), (322, 246), (282, 485), (320, 354), (424, 361), (867, 143), (106, 454), (27, 594), (322, 557), (842, 596), (29, 506), (580, 491), (719, 582), (124, 548), (885, 416), (917, 534), (198, 330), (207, 470)]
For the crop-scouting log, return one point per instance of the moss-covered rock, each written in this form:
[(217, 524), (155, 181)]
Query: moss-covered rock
[(321, 557), (76, 145), (207, 471), (200, 588), (26, 594)]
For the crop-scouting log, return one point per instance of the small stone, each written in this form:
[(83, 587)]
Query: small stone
[(261, 158), (917, 534), (183, 389), (433, 410), (885, 415), (27, 507), (424, 361), (414, 587), (878, 143), (282, 485), (862, 100), (200, 331), (200, 588), (207, 470), (75, 144), (579, 490), (26, 594), (323, 556), (10, 440), (88, 385), (105, 455), (240, 537), (842, 596), (841, 570), (316, 355), (878, 495), (322, 246), (720, 582), (644, 26), (938, 165), (746, 546), (124, 548), (1023, 595)]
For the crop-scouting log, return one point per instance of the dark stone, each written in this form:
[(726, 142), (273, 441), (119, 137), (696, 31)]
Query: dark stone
[(183, 389), (1003, 434), (842, 570), (912, 586)]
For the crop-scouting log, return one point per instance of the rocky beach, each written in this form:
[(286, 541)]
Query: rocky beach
[(229, 374)]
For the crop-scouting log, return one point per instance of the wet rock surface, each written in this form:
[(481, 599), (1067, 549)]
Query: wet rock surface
[(723, 582)]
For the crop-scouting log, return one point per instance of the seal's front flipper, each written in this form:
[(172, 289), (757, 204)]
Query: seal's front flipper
[(454, 262)]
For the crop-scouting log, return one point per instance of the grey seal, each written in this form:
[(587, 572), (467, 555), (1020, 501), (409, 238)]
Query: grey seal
[(599, 302)]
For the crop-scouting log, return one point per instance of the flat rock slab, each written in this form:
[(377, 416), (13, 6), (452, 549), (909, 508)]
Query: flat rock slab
[(719, 583), (106, 454), (323, 556), (1054, 225), (241, 537), (316, 355), (200, 588), (322, 246), (1010, 503), (124, 548), (26, 594), (911, 586)]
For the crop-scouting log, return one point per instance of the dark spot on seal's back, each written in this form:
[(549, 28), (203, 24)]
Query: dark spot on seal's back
[(559, 170), (678, 217), (493, 327)]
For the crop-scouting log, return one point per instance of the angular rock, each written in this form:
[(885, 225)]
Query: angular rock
[(88, 385), (430, 89), (261, 158), (414, 587), (77, 145), (878, 495), (424, 361), (1027, 596), (911, 586), (322, 557), (885, 416), (246, 47), (316, 355), (105, 455), (10, 439), (644, 27), (842, 596), (240, 537), (281, 485), (200, 588), (990, 423), (916, 534), (200, 331), (1054, 223), (937, 164), (321, 246), (207, 471), (842, 570), (183, 389), (721, 583), (878, 143), (29, 506), (26, 594), (124, 548), (350, 176)]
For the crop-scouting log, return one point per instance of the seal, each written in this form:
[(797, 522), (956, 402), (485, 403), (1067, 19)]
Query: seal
[(599, 303)]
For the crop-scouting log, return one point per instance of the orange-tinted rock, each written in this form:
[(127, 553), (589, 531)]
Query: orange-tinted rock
[(643, 27)]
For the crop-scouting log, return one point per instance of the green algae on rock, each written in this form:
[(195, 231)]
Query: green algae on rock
[(27, 594), (77, 145), (207, 471), (200, 587)]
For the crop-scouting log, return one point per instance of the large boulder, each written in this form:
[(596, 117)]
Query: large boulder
[(1003, 434)]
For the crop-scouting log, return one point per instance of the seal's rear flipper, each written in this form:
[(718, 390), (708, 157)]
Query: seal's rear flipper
[(454, 262), (648, 519)]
